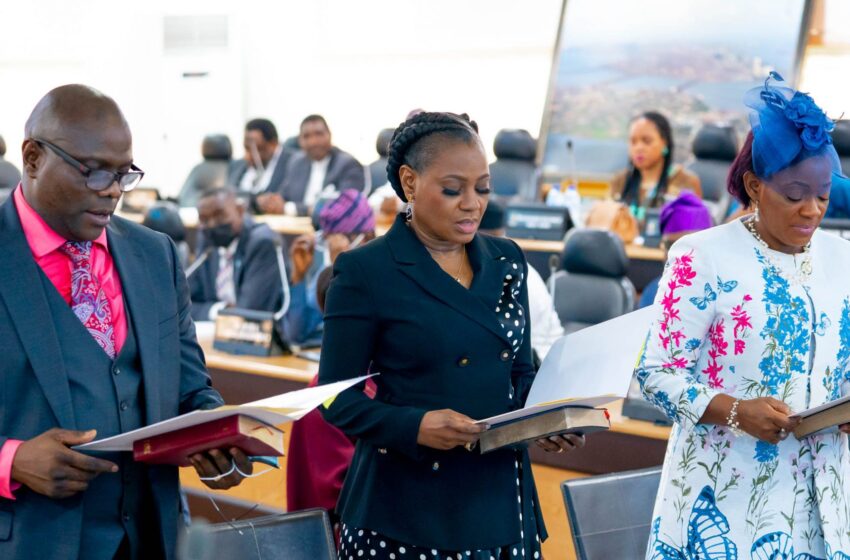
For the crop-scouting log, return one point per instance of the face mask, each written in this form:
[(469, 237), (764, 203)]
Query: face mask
[(221, 235)]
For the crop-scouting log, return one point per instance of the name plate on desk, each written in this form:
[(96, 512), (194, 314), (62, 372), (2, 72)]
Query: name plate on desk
[(245, 331)]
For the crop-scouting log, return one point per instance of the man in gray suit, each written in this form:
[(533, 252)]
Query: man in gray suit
[(264, 166), (97, 340), (9, 174), (319, 168)]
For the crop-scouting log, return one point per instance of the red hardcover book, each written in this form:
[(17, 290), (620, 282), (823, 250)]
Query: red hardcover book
[(174, 448)]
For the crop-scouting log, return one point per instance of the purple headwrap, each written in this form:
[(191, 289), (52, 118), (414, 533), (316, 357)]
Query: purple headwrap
[(685, 213), (348, 213)]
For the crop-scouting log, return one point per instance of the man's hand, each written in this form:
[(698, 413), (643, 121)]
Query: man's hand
[(270, 203), (445, 429), (46, 465), (337, 243), (216, 462), (302, 251)]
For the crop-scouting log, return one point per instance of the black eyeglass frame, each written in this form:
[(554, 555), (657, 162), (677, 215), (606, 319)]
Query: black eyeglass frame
[(114, 176)]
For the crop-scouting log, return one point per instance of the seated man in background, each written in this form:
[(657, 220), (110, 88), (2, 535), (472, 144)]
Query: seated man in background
[(546, 327), (345, 223), (9, 174), (241, 269), (686, 214), (319, 168), (266, 159)]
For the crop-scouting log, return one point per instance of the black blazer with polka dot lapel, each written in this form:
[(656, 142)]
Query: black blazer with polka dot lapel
[(391, 310)]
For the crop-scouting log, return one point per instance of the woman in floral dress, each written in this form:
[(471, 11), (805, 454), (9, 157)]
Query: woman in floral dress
[(753, 325)]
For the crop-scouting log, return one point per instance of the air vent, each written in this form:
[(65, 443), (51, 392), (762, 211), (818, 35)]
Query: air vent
[(182, 33)]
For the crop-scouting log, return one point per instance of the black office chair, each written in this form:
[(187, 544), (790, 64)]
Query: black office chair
[(378, 168), (841, 141), (302, 535), (513, 174), (592, 286), (714, 147), (610, 515), (209, 174)]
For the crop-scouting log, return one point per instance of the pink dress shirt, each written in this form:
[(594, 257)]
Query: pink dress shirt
[(44, 244)]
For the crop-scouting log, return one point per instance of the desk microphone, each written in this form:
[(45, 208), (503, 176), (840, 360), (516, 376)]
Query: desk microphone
[(571, 155), (192, 268), (554, 261), (284, 281)]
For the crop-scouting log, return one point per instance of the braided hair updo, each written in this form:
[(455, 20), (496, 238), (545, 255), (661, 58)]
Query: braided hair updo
[(415, 142)]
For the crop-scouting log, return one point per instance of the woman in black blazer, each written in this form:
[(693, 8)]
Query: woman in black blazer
[(440, 312)]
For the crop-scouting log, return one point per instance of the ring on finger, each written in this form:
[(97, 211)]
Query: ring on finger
[(782, 434)]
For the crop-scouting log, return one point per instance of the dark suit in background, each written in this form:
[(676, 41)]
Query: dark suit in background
[(239, 167), (344, 172), (256, 276), (392, 309), (9, 178), (55, 375)]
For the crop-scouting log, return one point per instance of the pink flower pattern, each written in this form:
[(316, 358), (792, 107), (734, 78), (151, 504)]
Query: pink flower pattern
[(682, 276)]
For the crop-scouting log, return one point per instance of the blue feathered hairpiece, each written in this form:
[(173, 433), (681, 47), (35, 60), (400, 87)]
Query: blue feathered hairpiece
[(788, 127)]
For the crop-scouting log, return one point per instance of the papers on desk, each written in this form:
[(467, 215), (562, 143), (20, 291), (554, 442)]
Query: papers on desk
[(587, 368), (279, 409)]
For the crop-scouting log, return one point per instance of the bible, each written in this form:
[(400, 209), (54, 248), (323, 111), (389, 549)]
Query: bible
[(824, 418), (520, 432), (252, 436)]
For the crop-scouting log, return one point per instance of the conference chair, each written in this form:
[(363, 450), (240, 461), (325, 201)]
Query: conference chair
[(513, 174), (209, 174), (715, 147), (378, 168), (301, 535), (592, 286), (841, 141), (164, 217), (610, 515)]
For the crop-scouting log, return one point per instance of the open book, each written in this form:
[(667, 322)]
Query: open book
[(824, 418), (583, 370), (270, 411)]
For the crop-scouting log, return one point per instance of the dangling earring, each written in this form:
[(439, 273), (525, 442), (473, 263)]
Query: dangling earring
[(408, 212), (756, 213), (665, 151)]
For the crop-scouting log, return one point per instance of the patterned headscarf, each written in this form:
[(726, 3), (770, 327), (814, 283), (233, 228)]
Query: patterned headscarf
[(348, 213)]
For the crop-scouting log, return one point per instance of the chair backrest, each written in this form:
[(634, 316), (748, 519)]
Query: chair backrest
[(378, 168), (217, 147), (302, 535), (714, 147), (841, 141), (610, 515), (208, 175), (592, 286), (513, 173)]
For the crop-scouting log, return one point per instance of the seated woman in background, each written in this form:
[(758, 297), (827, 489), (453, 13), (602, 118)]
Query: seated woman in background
[(652, 178)]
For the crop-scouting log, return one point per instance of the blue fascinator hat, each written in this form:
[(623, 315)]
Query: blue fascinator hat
[(788, 127)]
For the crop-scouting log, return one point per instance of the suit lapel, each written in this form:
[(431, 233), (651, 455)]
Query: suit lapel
[(22, 291), (479, 302), (139, 297)]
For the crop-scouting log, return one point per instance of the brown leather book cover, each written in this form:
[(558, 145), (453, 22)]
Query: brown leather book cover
[(824, 420), (174, 448), (565, 420)]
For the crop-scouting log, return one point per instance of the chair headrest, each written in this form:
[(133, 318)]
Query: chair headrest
[(382, 144), (164, 217), (716, 142), (292, 144), (594, 251), (216, 146), (841, 138), (515, 144)]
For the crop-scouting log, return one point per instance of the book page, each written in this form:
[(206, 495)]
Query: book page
[(590, 367), (273, 410), (825, 406)]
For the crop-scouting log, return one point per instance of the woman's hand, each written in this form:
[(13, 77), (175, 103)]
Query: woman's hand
[(766, 418), (559, 444), (445, 429), (844, 428)]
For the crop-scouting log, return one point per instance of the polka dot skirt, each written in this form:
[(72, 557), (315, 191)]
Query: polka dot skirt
[(363, 544)]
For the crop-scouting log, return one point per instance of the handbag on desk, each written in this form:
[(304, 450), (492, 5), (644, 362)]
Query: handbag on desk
[(613, 216)]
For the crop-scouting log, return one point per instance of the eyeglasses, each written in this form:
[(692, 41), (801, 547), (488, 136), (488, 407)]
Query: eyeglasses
[(98, 179)]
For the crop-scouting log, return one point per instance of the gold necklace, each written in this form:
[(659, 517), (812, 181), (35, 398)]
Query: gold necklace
[(460, 266)]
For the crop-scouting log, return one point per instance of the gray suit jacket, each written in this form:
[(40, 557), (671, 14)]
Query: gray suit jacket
[(344, 172), (239, 167), (35, 394), (9, 178)]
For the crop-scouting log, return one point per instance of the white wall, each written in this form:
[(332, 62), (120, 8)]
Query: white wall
[(363, 65)]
